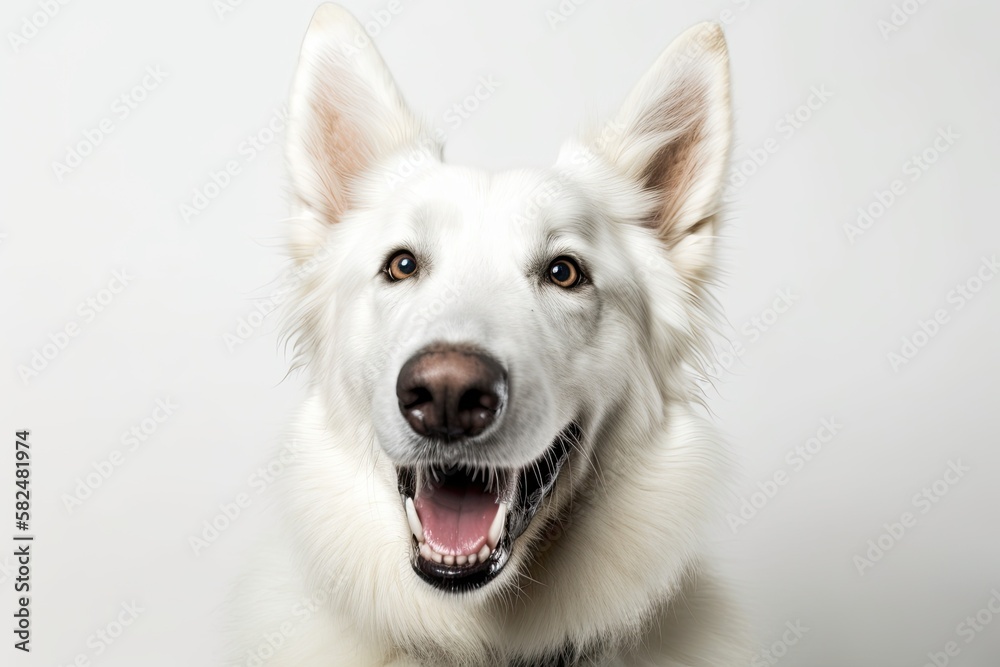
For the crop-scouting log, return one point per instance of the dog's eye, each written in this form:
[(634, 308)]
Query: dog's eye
[(402, 265), (564, 272)]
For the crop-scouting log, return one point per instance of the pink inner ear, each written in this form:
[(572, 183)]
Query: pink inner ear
[(337, 148), (673, 171)]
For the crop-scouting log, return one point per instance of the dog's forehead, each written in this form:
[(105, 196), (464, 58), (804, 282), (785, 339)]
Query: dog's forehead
[(526, 204)]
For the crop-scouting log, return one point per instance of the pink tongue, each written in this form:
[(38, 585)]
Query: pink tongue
[(456, 519)]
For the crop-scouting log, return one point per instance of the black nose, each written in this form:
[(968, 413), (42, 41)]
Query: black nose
[(449, 393)]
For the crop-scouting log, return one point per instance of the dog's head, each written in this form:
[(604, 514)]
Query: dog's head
[(484, 337)]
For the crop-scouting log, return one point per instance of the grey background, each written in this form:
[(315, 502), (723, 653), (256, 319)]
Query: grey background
[(825, 357)]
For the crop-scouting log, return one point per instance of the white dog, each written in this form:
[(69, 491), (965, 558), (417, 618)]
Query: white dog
[(501, 463)]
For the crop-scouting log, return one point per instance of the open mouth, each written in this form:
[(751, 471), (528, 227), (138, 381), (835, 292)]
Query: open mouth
[(464, 522)]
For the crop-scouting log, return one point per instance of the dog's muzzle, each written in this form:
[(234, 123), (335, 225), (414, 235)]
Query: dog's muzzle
[(465, 519)]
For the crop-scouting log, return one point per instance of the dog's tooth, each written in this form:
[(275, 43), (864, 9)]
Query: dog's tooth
[(473, 559), (496, 528), (461, 560), (436, 557), (484, 553), (411, 517), (425, 552), (449, 560)]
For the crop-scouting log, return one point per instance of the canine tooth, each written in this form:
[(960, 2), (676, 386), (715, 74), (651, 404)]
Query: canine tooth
[(411, 517), (485, 552), (425, 552), (473, 558), (461, 560), (449, 560), (496, 528)]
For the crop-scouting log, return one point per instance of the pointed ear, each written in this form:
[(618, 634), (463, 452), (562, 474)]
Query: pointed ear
[(345, 115), (672, 136)]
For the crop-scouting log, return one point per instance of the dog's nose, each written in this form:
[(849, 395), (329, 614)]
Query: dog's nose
[(450, 394)]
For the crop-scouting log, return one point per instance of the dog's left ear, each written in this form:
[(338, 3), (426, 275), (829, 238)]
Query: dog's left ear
[(672, 136)]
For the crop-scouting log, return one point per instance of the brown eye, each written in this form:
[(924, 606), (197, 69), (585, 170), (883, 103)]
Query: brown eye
[(564, 272), (402, 265)]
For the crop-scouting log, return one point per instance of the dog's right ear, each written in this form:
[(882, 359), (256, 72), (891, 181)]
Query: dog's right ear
[(345, 115)]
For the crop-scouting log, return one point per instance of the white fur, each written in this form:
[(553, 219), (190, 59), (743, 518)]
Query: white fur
[(612, 565)]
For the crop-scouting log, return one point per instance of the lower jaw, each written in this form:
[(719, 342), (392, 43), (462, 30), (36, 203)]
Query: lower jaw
[(534, 484), (462, 578)]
